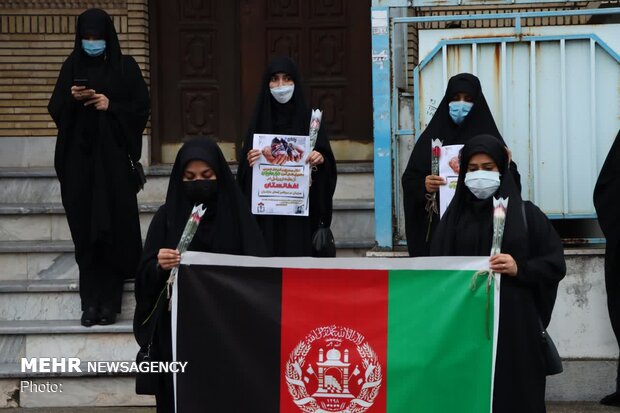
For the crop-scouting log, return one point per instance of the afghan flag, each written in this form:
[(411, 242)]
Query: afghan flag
[(334, 335)]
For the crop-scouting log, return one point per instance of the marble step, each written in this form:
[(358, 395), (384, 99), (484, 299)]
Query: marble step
[(40, 185), (91, 392), (352, 219), (66, 338), (50, 300), (72, 327), (54, 260), (46, 286)]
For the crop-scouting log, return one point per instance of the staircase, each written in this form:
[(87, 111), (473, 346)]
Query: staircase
[(39, 290)]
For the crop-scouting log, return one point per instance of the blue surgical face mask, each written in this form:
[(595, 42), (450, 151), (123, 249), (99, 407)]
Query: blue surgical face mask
[(481, 183), (459, 110), (283, 93), (93, 48)]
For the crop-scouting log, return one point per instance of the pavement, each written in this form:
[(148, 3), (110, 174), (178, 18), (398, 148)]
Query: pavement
[(578, 407), (558, 407)]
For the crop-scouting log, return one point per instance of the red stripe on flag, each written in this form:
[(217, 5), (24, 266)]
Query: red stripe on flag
[(333, 340)]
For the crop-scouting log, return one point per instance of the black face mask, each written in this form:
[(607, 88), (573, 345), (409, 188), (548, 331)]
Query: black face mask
[(201, 190)]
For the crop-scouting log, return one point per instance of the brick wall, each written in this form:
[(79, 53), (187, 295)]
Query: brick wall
[(36, 36)]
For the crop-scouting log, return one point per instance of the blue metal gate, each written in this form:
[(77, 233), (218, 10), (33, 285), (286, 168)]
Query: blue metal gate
[(554, 92)]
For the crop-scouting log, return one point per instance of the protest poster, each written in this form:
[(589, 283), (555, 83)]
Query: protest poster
[(449, 162), (281, 177)]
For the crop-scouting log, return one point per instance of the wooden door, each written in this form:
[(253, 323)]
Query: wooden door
[(208, 56), (197, 82), (329, 40)]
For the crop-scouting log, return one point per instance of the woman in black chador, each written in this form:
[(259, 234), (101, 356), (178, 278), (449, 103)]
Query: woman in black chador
[(200, 175), (531, 264), (462, 113), (606, 201), (281, 109), (100, 105)]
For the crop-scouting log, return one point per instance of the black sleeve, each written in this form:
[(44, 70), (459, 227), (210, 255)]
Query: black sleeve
[(150, 278), (324, 180), (61, 99), (132, 114), (244, 175), (414, 197), (545, 265)]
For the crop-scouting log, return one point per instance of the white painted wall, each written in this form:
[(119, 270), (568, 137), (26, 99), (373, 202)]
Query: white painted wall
[(580, 324)]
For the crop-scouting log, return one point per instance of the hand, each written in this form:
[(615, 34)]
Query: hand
[(253, 156), (315, 158), (100, 101), (297, 152), (433, 182), (80, 93), (274, 160), (503, 264), (168, 259)]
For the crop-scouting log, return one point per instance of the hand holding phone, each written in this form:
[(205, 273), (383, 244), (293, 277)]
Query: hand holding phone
[(79, 89)]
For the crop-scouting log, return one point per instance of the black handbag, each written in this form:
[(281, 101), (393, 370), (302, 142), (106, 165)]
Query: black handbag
[(146, 383), (553, 361), (323, 244), (137, 174)]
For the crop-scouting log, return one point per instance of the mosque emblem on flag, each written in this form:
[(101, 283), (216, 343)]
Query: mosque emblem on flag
[(333, 369)]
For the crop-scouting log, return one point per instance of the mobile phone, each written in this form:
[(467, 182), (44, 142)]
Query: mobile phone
[(80, 82)]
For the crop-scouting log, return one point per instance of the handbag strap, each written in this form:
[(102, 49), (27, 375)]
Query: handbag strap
[(154, 316)]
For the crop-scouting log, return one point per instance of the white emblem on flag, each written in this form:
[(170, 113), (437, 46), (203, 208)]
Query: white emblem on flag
[(333, 370)]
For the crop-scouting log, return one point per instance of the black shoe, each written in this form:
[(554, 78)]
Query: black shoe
[(90, 317), (107, 317), (611, 400)]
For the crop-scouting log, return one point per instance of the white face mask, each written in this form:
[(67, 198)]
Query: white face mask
[(283, 93), (481, 183)]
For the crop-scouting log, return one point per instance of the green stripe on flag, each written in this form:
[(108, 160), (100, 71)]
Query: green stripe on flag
[(439, 358)]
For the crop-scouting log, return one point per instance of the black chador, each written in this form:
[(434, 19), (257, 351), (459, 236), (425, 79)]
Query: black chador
[(478, 121), (227, 227), (527, 299), (91, 161), (288, 235), (606, 201)]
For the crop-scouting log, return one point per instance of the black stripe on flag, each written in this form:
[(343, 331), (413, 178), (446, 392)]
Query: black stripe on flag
[(228, 330)]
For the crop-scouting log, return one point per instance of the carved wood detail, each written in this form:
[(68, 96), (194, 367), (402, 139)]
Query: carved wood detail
[(200, 112), (331, 101), (283, 8), (198, 54)]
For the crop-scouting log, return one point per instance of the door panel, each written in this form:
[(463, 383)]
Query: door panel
[(197, 70)]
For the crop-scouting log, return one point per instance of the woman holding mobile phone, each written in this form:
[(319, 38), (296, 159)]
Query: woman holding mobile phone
[(100, 105)]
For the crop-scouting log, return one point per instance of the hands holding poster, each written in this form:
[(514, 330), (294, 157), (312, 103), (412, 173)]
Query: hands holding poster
[(449, 162), (281, 177)]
